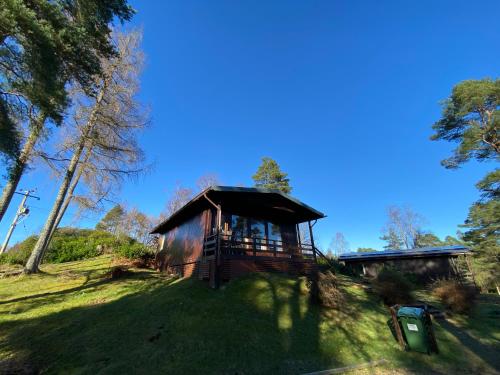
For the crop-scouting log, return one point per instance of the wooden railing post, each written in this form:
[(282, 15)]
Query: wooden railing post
[(312, 240), (217, 250)]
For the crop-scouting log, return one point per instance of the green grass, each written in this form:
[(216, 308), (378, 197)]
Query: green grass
[(74, 319)]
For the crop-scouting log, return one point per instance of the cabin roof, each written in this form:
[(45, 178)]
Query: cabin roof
[(423, 252), (256, 202)]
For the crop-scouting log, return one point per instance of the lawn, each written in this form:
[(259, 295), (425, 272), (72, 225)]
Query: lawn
[(75, 319)]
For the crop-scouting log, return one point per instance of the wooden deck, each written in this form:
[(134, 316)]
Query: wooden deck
[(226, 257)]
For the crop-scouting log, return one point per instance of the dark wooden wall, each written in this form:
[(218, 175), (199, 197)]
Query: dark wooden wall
[(424, 269), (182, 247)]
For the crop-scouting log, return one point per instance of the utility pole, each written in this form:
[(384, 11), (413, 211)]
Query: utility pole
[(22, 211)]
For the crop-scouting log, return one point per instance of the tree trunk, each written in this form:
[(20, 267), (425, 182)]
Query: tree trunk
[(20, 165), (68, 199), (38, 251)]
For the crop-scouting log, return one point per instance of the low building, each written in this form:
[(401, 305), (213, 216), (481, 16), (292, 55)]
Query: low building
[(425, 263), (225, 232)]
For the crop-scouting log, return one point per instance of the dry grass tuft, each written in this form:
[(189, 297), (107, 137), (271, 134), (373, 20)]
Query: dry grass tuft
[(454, 296), (329, 293)]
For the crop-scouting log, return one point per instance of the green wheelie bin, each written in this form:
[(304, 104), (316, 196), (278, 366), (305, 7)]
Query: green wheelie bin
[(416, 327)]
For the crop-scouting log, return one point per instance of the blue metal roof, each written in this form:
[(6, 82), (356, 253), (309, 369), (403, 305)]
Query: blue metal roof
[(420, 252)]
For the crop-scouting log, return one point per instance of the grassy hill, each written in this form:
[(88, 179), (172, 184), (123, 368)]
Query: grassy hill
[(75, 319)]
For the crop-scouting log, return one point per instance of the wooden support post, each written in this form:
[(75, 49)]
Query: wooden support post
[(217, 250), (397, 328), (312, 240), (299, 240)]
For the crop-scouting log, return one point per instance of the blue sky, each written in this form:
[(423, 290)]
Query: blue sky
[(341, 93)]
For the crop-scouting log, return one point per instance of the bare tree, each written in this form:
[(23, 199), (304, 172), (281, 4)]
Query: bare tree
[(105, 127), (179, 198), (402, 228), (207, 180), (339, 245), (137, 225)]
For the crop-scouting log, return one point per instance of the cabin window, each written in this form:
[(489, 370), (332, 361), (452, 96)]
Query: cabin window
[(258, 229), (274, 232), (239, 226), (269, 235)]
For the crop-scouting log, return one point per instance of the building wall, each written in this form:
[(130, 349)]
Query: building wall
[(182, 247), (424, 269)]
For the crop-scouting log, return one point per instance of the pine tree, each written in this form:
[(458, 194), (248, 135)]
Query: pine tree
[(270, 176), (44, 45), (471, 118), (483, 222), (113, 221)]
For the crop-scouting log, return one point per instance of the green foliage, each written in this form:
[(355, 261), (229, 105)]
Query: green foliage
[(423, 239), (393, 286), (20, 252), (9, 135), (113, 220), (471, 118), (393, 241), (450, 240), (45, 44), (365, 250), (483, 222), (270, 176), (70, 244), (132, 249)]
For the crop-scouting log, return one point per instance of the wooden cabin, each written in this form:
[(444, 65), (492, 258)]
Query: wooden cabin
[(426, 264), (225, 232)]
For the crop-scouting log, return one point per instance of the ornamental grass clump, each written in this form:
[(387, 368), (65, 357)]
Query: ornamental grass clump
[(328, 291), (456, 297)]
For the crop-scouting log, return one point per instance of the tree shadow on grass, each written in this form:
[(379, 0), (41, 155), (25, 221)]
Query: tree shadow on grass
[(487, 353), (262, 324), (176, 327), (88, 283)]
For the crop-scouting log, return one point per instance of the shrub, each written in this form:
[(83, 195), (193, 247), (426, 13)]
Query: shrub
[(70, 244), (323, 289), (118, 272), (132, 249), (329, 294), (393, 287), (455, 296), (20, 252)]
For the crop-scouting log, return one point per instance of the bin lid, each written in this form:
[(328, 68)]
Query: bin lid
[(410, 312)]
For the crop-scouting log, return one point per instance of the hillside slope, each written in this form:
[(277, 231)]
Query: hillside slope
[(75, 319)]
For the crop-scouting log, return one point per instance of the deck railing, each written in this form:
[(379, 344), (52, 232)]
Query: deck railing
[(255, 246)]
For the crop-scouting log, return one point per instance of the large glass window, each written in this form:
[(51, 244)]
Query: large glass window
[(258, 228), (239, 226), (268, 235), (258, 233), (274, 232)]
